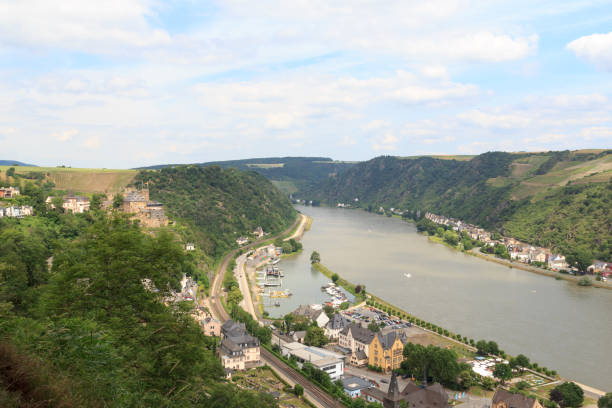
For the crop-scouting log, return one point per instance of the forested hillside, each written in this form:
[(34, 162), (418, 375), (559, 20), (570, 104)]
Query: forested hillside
[(220, 204), (558, 199), (289, 173), (79, 329)]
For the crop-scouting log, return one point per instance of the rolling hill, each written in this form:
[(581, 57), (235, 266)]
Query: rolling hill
[(557, 199), (287, 173)]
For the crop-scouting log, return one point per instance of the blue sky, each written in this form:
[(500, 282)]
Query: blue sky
[(125, 83)]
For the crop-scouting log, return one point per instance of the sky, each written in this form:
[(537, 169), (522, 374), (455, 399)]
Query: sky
[(127, 83)]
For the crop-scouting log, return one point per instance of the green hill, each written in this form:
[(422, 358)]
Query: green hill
[(287, 173), (558, 199), (219, 204), (79, 328)]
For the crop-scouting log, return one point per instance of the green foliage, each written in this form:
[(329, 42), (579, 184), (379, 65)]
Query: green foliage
[(335, 277), (503, 372), (315, 257), (220, 204), (315, 336), (298, 390), (437, 363), (567, 394), (110, 338), (484, 191), (118, 201), (373, 326), (605, 401), (584, 281), (264, 334)]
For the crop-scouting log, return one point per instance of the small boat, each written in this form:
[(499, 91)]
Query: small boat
[(277, 303), (272, 284), (274, 262), (407, 275)]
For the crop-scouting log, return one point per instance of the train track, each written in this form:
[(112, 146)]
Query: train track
[(321, 397)]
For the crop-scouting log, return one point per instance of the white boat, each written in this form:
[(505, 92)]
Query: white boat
[(408, 275)]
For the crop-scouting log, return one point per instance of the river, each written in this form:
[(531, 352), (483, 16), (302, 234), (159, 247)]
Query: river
[(556, 323)]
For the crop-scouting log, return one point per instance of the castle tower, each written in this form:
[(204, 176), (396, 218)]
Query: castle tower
[(393, 397)]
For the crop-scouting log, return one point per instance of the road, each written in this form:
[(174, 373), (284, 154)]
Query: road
[(317, 396), (300, 230)]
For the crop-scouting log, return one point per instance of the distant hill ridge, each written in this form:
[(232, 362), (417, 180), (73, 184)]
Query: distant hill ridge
[(557, 199), (15, 163)]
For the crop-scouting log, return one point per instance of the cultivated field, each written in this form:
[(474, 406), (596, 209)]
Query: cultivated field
[(80, 180)]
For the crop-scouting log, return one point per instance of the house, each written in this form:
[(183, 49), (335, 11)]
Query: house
[(356, 338), (299, 336), (18, 211), (352, 386), (9, 192), (258, 232), (135, 200), (211, 327), (75, 204), (335, 325), (358, 359), (190, 246), (505, 399), (432, 396), (314, 312), (386, 350), (242, 241), (537, 255), (322, 359), (557, 262), (238, 350)]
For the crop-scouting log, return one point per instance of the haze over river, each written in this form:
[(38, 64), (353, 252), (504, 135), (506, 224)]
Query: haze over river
[(556, 323)]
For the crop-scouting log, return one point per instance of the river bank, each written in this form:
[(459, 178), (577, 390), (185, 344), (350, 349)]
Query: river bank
[(458, 291), (396, 312)]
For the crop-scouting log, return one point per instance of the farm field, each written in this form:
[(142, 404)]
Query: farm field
[(80, 180)]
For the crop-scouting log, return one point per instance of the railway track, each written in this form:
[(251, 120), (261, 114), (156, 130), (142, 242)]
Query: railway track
[(313, 391)]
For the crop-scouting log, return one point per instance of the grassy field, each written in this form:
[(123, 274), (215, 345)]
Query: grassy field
[(80, 180), (266, 165)]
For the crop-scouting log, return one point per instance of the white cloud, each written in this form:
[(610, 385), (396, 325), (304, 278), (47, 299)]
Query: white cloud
[(495, 120), (66, 135), (101, 27), (595, 48), (92, 142), (375, 125), (386, 142)]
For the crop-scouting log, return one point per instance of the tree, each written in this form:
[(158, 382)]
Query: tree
[(503, 372), (373, 326), (298, 390), (329, 310), (344, 305), (567, 394), (522, 361), (492, 348), (580, 258), (315, 336), (605, 401), (234, 296), (118, 201), (466, 379), (483, 347), (335, 277), (315, 257), (451, 238), (10, 172), (487, 383)]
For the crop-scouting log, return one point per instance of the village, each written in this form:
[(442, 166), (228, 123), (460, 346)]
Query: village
[(360, 347), (132, 201), (520, 251)]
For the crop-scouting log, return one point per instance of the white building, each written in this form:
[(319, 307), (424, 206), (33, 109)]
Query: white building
[(325, 360)]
